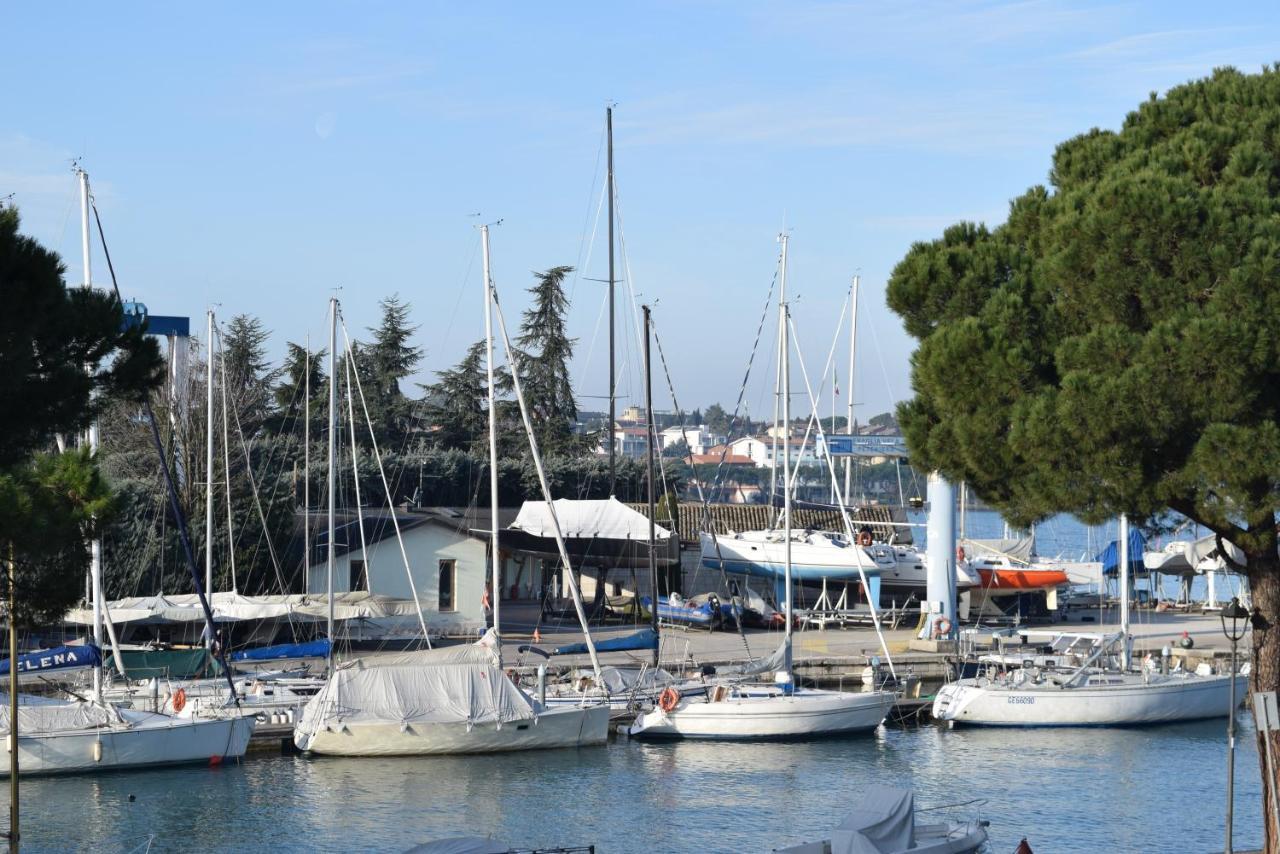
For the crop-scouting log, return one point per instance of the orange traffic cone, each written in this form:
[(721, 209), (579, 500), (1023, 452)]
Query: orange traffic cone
[(537, 635)]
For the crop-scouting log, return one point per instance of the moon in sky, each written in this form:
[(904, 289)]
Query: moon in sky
[(325, 124)]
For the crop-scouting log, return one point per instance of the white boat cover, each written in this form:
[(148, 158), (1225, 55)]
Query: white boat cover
[(459, 684), (44, 715), (462, 845), (229, 607), (607, 519), (883, 822)]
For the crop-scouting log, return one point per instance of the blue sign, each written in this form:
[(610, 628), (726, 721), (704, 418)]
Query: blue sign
[(865, 446), (58, 658)]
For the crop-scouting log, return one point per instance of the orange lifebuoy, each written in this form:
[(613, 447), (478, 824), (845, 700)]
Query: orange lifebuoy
[(668, 699), (959, 552), (864, 539), (179, 700), (942, 627)]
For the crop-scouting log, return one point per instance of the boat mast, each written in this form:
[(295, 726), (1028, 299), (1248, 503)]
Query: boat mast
[(493, 442), (853, 347), (784, 364), (333, 452), (95, 547), (613, 383), (306, 461), (208, 466), (653, 510), (1124, 592)]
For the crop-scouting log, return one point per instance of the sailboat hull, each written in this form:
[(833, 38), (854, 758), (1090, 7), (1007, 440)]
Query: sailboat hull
[(148, 740), (1129, 702), (767, 714), (763, 554), (577, 726)]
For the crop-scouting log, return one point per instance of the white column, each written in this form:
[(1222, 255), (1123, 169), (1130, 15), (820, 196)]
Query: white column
[(941, 555)]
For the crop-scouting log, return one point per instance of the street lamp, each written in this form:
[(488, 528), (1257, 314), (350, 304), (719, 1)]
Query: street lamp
[(1235, 619)]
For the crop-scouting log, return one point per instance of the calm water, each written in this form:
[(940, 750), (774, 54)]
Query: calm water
[(1067, 790)]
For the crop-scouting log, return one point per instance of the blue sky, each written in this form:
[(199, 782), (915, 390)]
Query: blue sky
[(259, 156)]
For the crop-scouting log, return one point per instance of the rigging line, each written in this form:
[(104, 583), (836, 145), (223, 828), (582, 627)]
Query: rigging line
[(542, 483), (742, 389), (844, 513), (253, 482), (589, 244), (180, 521), (702, 498), (226, 473), (893, 398), (386, 488), (355, 476), (822, 386)]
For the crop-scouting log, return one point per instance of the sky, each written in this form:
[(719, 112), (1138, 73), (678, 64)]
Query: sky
[(259, 158)]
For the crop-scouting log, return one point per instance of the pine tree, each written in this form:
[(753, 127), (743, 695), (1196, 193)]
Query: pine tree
[(389, 359), (544, 354), (248, 373)]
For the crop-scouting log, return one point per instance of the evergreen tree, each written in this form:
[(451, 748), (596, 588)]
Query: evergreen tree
[(246, 370), (389, 359), (545, 350), (717, 420), (51, 502), (1114, 347)]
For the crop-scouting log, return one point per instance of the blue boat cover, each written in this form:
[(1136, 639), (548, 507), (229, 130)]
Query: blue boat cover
[(58, 658), (643, 639), (310, 649), (1110, 556)]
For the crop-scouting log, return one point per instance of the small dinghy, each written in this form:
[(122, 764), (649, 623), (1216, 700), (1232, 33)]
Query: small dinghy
[(885, 823)]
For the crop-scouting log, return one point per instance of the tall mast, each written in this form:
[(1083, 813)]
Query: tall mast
[(650, 438), (1124, 591), (333, 455), (784, 363), (95, 548), (853, 349), (613, 379), (208, 465), (306, 460), (495, 555)]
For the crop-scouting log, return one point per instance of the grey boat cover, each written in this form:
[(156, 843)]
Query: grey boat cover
[(461, 845), (41, 715), (459, 684), (883, 823), (1020, 550)]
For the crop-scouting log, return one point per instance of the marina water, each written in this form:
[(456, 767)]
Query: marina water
[(1087, 790)]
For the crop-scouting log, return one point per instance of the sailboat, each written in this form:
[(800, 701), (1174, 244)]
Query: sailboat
[(457, 699), (781, 709), (58, 737), (1097, 686)]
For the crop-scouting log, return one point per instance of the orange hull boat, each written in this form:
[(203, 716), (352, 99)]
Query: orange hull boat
[(1022, 579)]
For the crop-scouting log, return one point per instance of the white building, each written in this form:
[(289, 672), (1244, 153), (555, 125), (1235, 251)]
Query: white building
[(761, 449), (447, 556), (700, 438)]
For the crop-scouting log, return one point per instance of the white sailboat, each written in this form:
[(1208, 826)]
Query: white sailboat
[(58, 737), (781, 709), (453, 700), (1098, 687)]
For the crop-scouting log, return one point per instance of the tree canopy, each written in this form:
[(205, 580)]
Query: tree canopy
[(65, 355), (543, 360), (1115, 345)]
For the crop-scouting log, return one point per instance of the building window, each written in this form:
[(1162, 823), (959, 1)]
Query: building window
[(359, 579), (448, 574)]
